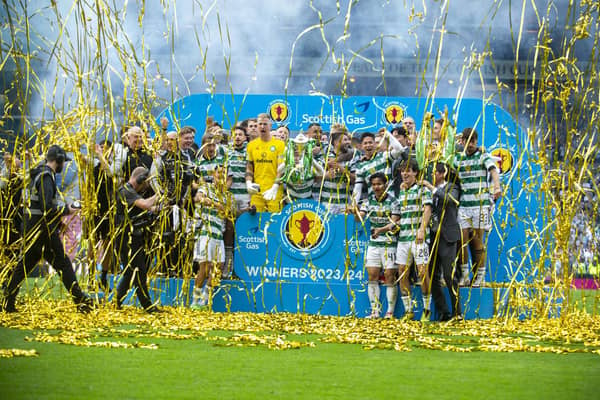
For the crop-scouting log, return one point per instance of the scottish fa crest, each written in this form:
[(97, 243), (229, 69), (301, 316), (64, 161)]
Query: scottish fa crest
[(394, 113), (304, 229), (279, 111)]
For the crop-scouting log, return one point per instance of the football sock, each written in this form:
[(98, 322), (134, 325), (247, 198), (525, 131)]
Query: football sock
[(406, 301), (373, 291), (391, 293)]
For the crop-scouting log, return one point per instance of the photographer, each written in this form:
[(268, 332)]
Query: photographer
[(135, 215), (42, 222)]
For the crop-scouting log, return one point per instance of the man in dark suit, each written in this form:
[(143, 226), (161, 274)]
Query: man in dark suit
[(445, 235)]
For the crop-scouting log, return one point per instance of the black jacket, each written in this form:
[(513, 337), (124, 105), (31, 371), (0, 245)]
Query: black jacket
[(444, 214), (43, 199)]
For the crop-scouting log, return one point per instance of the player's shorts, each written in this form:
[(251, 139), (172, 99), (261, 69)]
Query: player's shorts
[(380, 257), (242, 201), (209, 250), (335, 208), (262, 205), (475, 218), (407, 251)]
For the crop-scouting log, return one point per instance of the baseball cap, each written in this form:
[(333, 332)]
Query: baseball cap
[(55, 151)]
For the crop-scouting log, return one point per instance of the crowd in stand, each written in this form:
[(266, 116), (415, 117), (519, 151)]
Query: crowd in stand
[(173, 210), (584, 238)]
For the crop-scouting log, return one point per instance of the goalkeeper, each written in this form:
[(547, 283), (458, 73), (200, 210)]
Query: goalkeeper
[(265, 157)]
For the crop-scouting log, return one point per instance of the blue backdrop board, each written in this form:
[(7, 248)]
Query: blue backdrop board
[(311, 249)]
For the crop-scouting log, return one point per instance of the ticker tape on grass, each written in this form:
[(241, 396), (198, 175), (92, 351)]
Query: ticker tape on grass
[(56, 322)]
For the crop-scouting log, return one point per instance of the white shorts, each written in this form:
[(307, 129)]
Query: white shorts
[(380, 257), (475, 218), (242, 201), (209, 250), (334, 208), (407, 251)]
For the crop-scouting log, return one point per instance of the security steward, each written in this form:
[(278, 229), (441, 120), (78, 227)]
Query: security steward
[(42, 222), (135, 216)]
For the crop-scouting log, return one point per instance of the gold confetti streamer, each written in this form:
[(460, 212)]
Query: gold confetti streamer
[(103, 76), (52, 322), (10, 353)]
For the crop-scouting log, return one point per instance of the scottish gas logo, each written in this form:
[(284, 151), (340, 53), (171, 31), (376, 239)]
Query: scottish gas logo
[(305, 230), (333, 119)]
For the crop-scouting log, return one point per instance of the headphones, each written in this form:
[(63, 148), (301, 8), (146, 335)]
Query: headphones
[(142, 178)]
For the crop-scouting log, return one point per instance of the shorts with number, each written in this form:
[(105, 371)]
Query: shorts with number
[(407, 251), (380, 257), (209, 250), (475, 218)]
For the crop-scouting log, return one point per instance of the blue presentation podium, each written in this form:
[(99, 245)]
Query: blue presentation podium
[(340, 300), (318, 299), (306, 260)]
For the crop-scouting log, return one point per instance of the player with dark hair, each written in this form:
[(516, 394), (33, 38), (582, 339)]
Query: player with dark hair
[(415, 203), (383, 212), (379, 155), (475, 212)]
